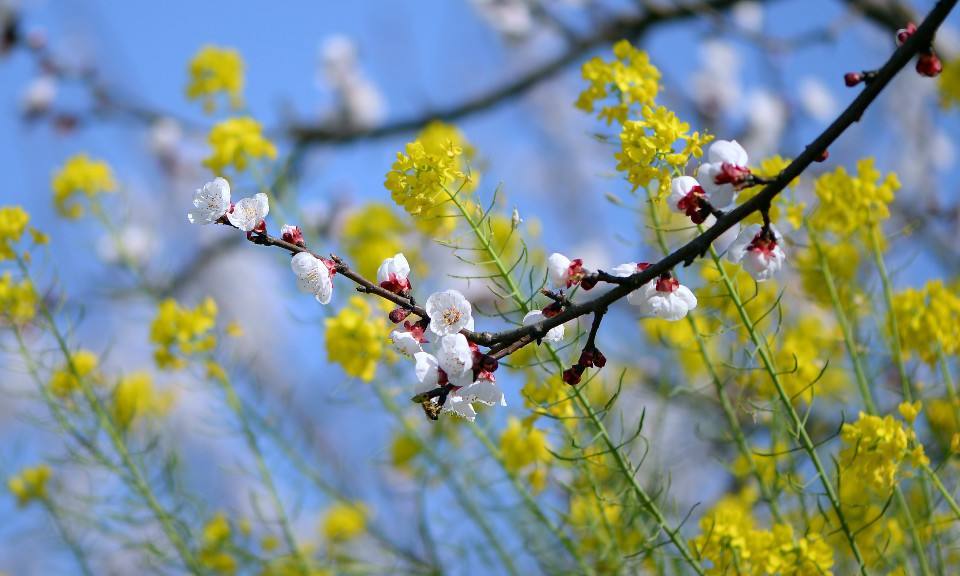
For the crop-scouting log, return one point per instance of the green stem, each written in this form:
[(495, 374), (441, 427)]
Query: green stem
[(796, 421), (624, 467), (105, 421), (233, 401), (894, 327)]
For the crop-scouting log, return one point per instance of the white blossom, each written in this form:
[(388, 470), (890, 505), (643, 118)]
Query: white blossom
[(211, 202), (562, 271), (723, 157), (394, 272), (248, 213), (449, 312), (638, 296), (665, 298), (683, 191), (39, 94), (761, 257), (484, 390), (459, 406), (553, 335), (456, 359), (427, 370), (405, 343), (313, 276)]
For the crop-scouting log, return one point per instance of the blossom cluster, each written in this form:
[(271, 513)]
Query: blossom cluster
[(631, 80), (30, 484), (928, 320), (850, 203)]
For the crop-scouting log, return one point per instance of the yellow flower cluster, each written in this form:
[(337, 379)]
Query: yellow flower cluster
[(732, 544), (13, 222), (404, 448), (80, 174), (215, 70), (30, 484), (18, 300), (848, 203), (423, 178), (525, 448), (874, 448), (943, 414), (344, 521), (630, 79), (929, 320), (235, 142), (372, 234), (214, 554), (647, 148), (179, 332), (548, 395), (64, 381), (949, 84), (356, 339), (135, 397)]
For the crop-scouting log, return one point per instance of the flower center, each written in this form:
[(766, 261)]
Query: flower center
[(451, 316), (732, 174), (667, 283)]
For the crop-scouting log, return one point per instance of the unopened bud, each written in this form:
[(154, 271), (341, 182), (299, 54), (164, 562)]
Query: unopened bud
[(929, 65), (292, 234), (904, 34), (572, 375), (851, 79), (823, 156), (399, 314)]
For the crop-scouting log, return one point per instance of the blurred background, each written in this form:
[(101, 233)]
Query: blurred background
[(340, 87)]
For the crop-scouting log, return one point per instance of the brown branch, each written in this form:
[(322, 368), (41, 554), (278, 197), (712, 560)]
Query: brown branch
[(505, 342), (626, 27)]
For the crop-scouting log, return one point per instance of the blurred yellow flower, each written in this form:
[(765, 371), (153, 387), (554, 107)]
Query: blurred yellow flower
[(13, 222), (18, 300), (344, 521), (215, 70), (30, 484), (179, 332), (235, 142), (874, 449), (356, 338), (372, 234), (928, 320), (80, 174), (136, 397), (64, 381)]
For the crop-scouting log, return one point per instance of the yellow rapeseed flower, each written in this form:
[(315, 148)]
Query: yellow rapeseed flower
[(874, 449), (30, 484), (344, 521), (80, 174), (136, 397), (179, 332), (13, 222), (356, 338), (629, 80), (928, 320), (64, 382), (372, 234), (215, 70), (850, 203), (647, 148), (235, 142), (214, 554), (522, 446), (18, 300), (429, 170)]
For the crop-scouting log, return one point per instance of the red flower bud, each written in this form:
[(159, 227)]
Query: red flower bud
[(851, 79), (904, 34), (929, 65), (823, 156), (399, 314), (572, 375), (552, 310), (293, 235), (588, 282)]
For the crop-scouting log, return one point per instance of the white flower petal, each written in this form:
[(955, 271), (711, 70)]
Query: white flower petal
[(427, 372), (449, 312), (397, 265), (455, 356), (558, 269), (679, 188), (405, 343), (484, 391), (729, 151), (249, 212), (210, 202), (457, 406), (313, 277)]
